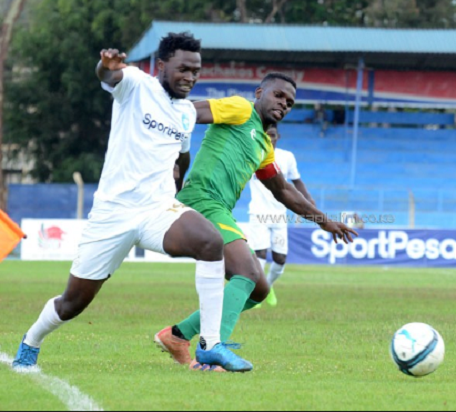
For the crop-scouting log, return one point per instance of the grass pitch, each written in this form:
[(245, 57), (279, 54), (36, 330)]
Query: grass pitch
[(326, 347)]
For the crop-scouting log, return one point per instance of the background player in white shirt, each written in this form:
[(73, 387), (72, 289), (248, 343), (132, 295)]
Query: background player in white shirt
[(135, 203), (268, 217)]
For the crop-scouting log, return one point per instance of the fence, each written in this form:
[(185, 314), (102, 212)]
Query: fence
[(433, 208)]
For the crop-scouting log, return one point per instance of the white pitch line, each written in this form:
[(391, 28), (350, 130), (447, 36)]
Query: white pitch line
[(69, 395)]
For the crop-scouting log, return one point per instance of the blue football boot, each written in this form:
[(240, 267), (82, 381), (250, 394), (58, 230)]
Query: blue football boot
[(26, 357), (222, 356)]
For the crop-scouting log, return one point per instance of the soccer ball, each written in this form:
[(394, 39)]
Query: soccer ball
[(417, 349)]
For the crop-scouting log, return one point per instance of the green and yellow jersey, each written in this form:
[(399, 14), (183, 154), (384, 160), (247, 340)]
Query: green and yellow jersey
[(234, 148)]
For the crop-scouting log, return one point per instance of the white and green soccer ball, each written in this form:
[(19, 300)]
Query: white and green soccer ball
[(417, 349)]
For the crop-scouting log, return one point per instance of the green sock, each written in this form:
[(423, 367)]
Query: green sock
[(250, 304), (191, 326), (236, 298)]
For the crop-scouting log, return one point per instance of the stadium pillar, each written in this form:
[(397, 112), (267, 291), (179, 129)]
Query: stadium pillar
[(80, 183), (359, 93)]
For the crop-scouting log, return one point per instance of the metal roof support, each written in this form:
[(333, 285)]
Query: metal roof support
[(359, 95)]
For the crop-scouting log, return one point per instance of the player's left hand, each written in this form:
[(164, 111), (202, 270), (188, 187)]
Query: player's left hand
[(339, 231), (113, 60)]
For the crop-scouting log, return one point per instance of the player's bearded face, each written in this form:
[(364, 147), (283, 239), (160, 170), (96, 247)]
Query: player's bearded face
[(180, 74), (276, 100)]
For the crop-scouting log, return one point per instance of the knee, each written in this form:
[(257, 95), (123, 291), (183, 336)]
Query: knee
[(210, 248), (264, 293), (70, 309), (255, 275), (261, 292), (280, 259), (262, 254)]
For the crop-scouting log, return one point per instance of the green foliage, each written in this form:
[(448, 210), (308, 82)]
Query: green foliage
[(330, 12), (55, 106), (324, 348), (411, 13)]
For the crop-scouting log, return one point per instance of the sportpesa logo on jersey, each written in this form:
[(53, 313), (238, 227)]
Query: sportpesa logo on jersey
[(186, 122), (170, 131)]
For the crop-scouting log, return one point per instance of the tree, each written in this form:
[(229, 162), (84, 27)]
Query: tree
[(242, 9), (411, 13), (12, 14), (56, 108), (437, 13), (277, 6)]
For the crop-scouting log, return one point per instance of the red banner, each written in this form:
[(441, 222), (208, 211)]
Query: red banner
[(337, 86)]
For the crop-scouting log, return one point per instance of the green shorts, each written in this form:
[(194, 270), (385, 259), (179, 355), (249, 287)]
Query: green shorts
[(216, 213)]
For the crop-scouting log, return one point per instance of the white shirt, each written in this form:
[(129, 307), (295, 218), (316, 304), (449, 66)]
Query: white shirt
[(263, 201), (148, 131)]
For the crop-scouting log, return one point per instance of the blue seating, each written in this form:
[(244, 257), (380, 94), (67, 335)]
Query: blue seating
[(366, 117), (393, 163)]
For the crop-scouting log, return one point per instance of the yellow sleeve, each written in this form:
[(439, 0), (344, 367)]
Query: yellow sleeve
[(231, 110), (269, 159)]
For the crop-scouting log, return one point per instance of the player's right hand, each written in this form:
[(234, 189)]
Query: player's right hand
[(113, 60), (339, 231)]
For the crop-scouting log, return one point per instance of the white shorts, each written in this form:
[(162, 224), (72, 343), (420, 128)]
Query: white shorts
[(112, 232), (264, 236)]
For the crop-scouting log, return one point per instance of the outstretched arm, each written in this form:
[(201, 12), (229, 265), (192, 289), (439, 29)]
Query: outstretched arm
[(287, 194), (203, 112), (301, 188), (230, 110), (109, 69)]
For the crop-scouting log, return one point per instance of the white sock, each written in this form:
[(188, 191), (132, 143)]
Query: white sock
[(48, 322), (275, 272), (262, 263), (210, 284)]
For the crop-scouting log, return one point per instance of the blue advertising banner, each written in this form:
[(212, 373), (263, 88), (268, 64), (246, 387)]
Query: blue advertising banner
[(406, 248)]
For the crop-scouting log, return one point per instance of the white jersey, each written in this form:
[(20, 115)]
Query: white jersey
[(263, 201), (149, 130)]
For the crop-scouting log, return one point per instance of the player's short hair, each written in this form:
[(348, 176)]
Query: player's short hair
[(274, 76), (177, 41)]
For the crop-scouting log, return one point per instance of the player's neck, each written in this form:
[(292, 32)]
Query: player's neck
[(265, 124), (166, 87)]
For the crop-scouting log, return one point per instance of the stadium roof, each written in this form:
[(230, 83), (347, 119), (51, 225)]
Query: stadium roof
[(328, 46)]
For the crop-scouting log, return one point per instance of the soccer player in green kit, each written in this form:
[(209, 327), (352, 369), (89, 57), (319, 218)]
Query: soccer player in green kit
[(235, 147)]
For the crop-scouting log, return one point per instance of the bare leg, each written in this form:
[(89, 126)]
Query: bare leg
[(262, 254), (194, 236), (239, 260), (279, 258), (78, 295), (262, 289)]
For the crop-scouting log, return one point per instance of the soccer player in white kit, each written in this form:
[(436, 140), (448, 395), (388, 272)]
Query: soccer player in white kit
[(268, 217), (135, 203)]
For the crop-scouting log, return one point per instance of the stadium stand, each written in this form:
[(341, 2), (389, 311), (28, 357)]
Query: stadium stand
[(392, 163)]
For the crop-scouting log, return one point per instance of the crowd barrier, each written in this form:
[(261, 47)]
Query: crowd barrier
[(58, 240)]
